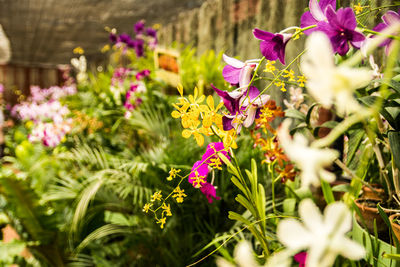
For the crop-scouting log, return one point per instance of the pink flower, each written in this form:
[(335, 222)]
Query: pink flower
[(301, 258), (209, 191), (212, 150), (198, 175)]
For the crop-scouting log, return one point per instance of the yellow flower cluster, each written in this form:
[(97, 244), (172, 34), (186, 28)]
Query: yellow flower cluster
[(172, 174), (358, 8), (199, 120), (179, 194)]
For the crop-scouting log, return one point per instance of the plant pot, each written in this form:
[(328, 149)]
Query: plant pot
[(395, 225), (370, 213), (319, 195), (374, 247), (375, 191)]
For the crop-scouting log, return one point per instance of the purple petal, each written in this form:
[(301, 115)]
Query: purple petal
[(227, 123), (332, 18), (263, 35), (346, 18), (268, 51), (391, 17), (340, 45), (230, 103), (325, 3), (253, 92), (357, 39), (209, 191), (231, 74), (307, 20)]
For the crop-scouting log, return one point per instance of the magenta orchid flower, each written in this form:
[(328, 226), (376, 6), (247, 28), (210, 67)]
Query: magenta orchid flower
[(273, 45), (301, 258), (340, 29), (141, 74), (212, 150), (210, 192), (139, 27), (199, 173), (243, 110), (238, 72), (389, 19), (316, 14)]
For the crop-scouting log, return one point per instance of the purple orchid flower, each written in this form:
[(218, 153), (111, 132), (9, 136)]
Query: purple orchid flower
[(142, 74), (340, 29), (209, 191), (389, 19), (316, 14), (273, 45), (151, 32), (139, 27), (243, 109), (113, 38), (139, 47), (199, 173), (212, 150), (237, 72), (124, 38)]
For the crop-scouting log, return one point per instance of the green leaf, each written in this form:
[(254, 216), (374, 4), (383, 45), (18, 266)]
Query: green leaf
[(295, 114), (327, 190), (355, 139), (245, 203), (308, 116), (394, 142), (239, 185)]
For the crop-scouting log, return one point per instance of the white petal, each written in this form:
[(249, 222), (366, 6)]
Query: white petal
[(223, 263), (282, 258), (316, 11), (310, 215), (251, 114), (350, 249), (319, 256), (292, 234), (337, 218), (243, 255), (245, 75), (356, 78), (233, 62)]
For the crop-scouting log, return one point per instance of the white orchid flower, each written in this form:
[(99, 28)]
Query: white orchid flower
[(244, 257), (330, 84), (324, 237), (311, 161), (80, 65)]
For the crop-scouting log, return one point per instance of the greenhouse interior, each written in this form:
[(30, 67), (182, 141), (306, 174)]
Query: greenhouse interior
[(200, 133)]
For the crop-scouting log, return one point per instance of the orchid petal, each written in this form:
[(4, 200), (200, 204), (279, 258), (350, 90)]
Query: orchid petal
[(231, 74), (350, 249), (233, 62), (337, 218), (391, 17), (245, 74), (251, 115), (316, 11), (310, 215), (263, 35), (293, 235)]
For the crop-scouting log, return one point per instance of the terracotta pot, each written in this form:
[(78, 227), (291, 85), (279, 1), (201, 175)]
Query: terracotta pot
[(319, 195), (395, 225), (377, 192), (370, 212)]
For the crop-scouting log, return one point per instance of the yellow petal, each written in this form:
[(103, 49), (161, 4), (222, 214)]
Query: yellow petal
[(207, 121), (201, 99), (186, 133), (175, 114), (180, 89), (210, 102), (196, 92), (199, 139)]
